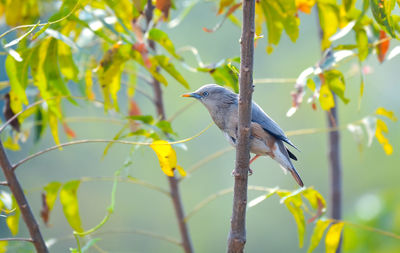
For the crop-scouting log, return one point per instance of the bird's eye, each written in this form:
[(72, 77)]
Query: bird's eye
[(205, 94)]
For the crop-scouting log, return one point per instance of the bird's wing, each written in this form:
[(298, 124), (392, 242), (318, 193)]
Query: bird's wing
[(268, 124)]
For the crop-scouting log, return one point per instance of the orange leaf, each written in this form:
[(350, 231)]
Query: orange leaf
[(164, 6), (134, 108), (305, 5), (320, 211), (70, 133), (383, 46)]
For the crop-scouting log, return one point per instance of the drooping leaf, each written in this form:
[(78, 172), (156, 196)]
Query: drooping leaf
[(335, 81), (162, 38), (45, 211), (51, 190), (362, 44), (381, 128), (53, 123), (18, 75), (12, 220), (332, 237), (11, 144), (69, 202), (67, 65), (329, 20), (3, 246), (389, 114), (166, 157), (383, 46), (326, 98), (317, 234), (9, 114), (164, 6), (152, 68), (89, 85), (165, 126), (167, 65)]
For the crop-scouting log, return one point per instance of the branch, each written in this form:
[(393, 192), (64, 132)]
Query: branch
[(23, 205), (16, 239), (237, 234), (173, 181)]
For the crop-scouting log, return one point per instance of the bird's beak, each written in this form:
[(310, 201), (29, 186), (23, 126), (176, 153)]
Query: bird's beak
[(191, 95)]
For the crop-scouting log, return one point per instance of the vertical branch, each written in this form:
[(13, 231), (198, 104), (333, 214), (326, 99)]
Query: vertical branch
[(173, 181), (334, 156), (23, 205), (237, 234)]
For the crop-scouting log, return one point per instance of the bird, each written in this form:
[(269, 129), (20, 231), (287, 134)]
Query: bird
[(266, 137)]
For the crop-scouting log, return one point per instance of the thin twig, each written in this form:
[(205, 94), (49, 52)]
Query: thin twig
[(128, 180), (16, 239), (141, 232), (371, 229), (205, 160), (181, 110), (275, 80), (101, 141)]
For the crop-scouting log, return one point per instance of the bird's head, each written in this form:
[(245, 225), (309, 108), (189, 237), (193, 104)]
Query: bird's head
[(213, 96)]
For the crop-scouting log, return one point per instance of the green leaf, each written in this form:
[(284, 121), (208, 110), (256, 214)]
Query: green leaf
[(381, 11), (53, 123), (51, 190), (40, 121), (317, 234), (362, 44), (69, 202), (67, 65), (335, 80), (165, 126), (147, 119), (226, 77), (162, 38), (348, 4), (167, 65), (273, 18), (116, 137), (328, 13), (153, 70), (18, 75), (13, 220), (332, 237)]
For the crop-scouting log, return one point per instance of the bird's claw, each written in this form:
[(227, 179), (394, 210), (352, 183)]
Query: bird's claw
[(250, 172)]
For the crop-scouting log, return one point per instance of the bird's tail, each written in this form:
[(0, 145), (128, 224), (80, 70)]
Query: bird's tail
[(296, 176), (284, 160)]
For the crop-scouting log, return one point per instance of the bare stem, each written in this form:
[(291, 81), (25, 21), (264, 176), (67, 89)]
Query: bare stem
[(23, 205), (237, 234), (16, 239)]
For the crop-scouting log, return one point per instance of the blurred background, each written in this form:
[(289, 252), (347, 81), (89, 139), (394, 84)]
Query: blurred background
[(370, 177)]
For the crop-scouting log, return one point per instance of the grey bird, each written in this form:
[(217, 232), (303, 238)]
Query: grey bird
[(266, 137)]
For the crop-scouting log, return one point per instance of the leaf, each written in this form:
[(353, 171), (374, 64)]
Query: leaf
[(228, 14), (147, 119), (381, 128), (167, 65), (394, 52), (67, 65), (381, 11), (389, 114), (165, 126), (260, 199), (326, 98), (68, 131), (383, 46), (343, 32), (51, 190), (3, 246), (69, 202), (45, 211), (370, 126), (18, 75), (357, 133), (317, 234), (11, 144), (166, 157), (9, 114), (314, 197), (89, 85), (329, 21), (362, 44), (53, 123), (335, 81), (305, 5), (332, 237), (162, 38), (164, 6), (223, 4), (226, 77), (348, 4), (13, 220)]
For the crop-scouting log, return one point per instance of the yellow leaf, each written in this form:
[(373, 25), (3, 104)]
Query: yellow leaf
[(53, 123), (305, 5), (314, 197), (11, 144), (329, 20), (389, 114), (317, 234), (89, 84), (167, 157), (51, 190), (326, 98), (3, 246), (13, 220), (69, 202), (67, 65), (380, 128), (332, 238), (259, 18)]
